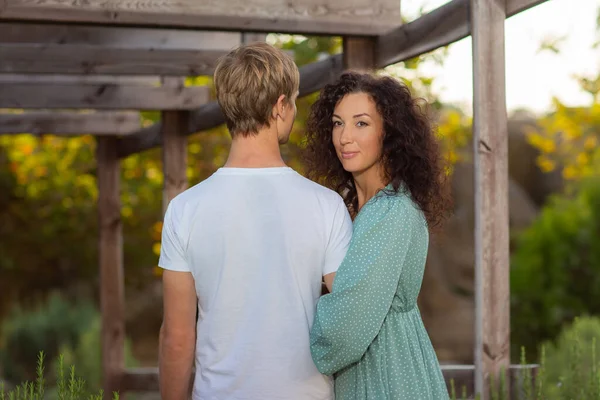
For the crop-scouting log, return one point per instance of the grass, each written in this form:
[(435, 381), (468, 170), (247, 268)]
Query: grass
[(67, 388)]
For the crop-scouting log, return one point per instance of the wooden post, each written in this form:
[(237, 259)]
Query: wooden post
[(359, 53), (490, 144), (112, 293), (174, 128)]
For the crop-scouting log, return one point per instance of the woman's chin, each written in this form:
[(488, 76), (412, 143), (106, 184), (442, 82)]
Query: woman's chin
[(350, 167)]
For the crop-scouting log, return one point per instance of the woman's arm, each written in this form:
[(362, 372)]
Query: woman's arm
[(348, 319)]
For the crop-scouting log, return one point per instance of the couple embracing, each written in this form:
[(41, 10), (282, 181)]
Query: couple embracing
[(245, 252)]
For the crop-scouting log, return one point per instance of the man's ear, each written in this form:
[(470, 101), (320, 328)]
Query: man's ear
[(281, 106)]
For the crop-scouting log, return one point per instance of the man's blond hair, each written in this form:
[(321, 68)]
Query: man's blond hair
[(248, 82)]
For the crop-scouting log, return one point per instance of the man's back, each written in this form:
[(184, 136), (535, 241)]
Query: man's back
[(257, 242)]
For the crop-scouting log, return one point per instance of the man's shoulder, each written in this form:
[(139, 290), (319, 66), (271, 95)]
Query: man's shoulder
[(192, 194), (313, 188)]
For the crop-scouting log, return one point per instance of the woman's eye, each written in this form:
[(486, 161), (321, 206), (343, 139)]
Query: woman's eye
[(361, 123), (337, 123)]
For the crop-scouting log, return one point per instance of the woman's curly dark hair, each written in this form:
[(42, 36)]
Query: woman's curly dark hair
[(410, 155)]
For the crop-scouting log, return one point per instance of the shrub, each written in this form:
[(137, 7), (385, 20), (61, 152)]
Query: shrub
[(569, 368), (67, 388), (49, 327), (87, 355), (57, 327), (555, 269)]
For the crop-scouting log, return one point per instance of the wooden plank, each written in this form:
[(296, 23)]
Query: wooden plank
[(490, 144), (516, 6), (116, 37), (332, 17), (83, 59), (174, 150), (441, 27), (313, 77), (146, 379), (80, 79), (359, 53), (112, 292), (101, 96), (463, 376), (70, 123), (253, 37), (139, 380)]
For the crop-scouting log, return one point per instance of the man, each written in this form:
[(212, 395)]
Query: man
[(249, 247)]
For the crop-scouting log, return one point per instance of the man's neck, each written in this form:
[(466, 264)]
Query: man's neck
[(255, 151)]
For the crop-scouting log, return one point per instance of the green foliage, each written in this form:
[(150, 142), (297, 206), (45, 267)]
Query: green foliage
[(572, 364), (568, 369), (48, 327), (87, 355), (57, 328), (73, 388), (555, 270)]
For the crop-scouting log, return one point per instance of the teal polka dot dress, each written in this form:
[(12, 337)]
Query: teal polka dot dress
[(368, 331)]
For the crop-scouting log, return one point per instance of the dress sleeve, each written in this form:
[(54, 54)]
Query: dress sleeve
[(349, 318)]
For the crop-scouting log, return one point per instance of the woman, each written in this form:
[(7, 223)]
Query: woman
[(368, 139)]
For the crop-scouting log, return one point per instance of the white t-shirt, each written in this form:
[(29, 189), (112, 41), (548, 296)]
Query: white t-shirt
[(257, 242)]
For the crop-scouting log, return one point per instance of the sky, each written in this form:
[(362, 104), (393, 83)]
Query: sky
[(533, 78)]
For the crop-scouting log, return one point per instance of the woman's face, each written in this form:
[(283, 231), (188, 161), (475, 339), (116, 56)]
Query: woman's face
[(357, 133)]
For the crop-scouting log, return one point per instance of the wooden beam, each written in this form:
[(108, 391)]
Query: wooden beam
[(112, 292), (441, 27), (100, 96), (313, 77), (359, 53), (490, 145), (174, 150), (330, 17), (253, 37), (41, 48), (116, 37), (70, 123), (80, 79), (61, 59)]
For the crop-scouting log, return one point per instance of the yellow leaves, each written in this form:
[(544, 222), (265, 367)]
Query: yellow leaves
[(156, 230), (545, 164), (570, 172), (27, 149), (454, 132), (157, 271), (568, 139), (155, 233), (126, 211), (156, 248), (195, 148), (154, 174), (582, 159), (544, 144), (590, 143), (41, 171)]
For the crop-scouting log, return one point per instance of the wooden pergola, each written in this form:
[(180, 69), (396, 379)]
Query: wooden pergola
[(114, 56)]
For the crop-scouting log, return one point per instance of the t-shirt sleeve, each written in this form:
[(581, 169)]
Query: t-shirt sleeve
[(339, 240), (172, 249)]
